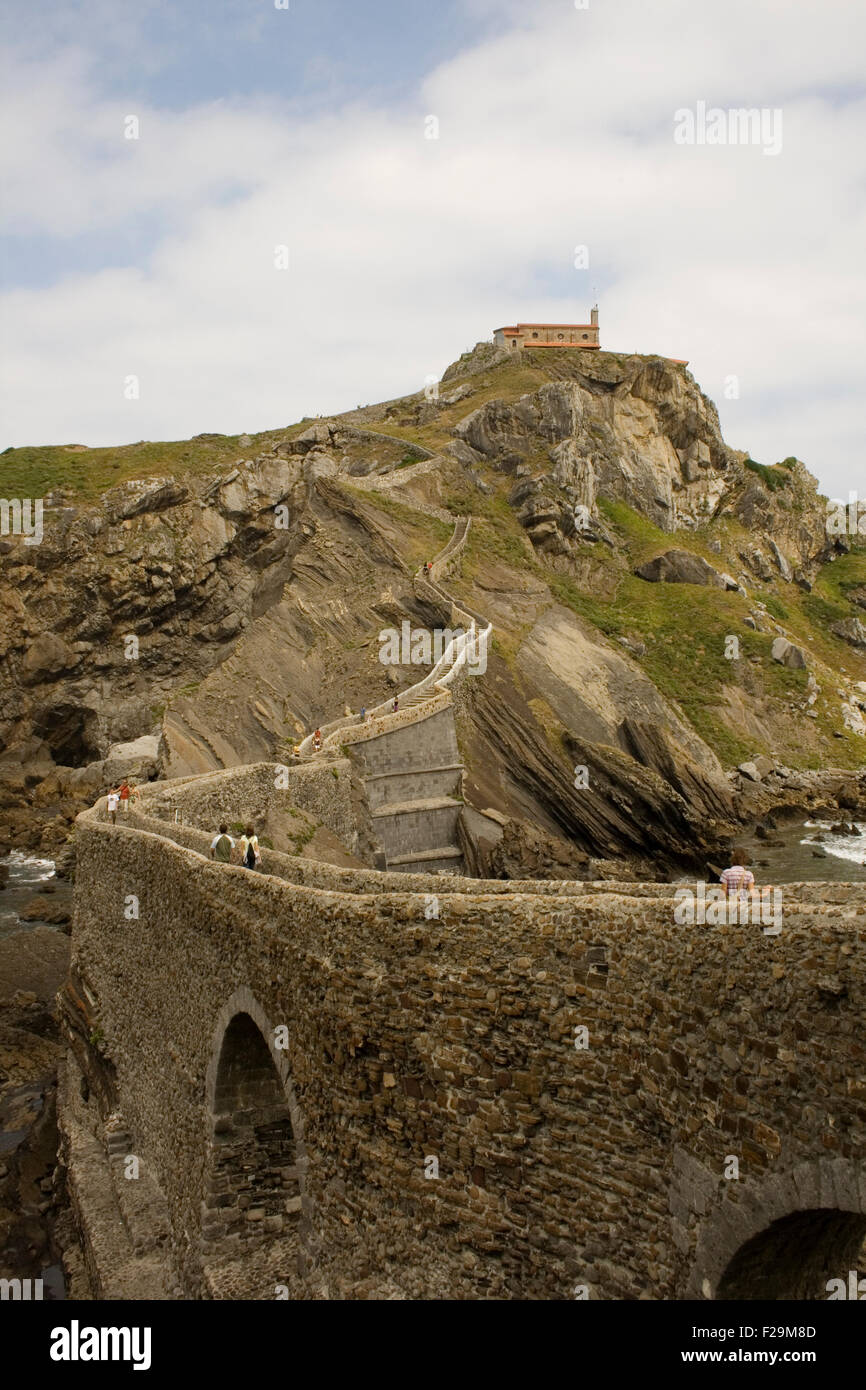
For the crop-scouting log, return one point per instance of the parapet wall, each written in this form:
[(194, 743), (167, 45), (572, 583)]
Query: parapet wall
[(452, 1038), (251, 793)]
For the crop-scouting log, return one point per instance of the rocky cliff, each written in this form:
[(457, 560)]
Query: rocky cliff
[(228, 596)]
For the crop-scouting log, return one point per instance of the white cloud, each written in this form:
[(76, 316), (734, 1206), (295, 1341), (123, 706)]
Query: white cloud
[(404, 251)]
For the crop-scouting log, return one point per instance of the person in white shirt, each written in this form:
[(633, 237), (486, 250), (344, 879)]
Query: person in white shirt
[(222, 846), (113, 801)]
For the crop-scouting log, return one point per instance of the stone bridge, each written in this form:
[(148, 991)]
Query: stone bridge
[(312, 1082)]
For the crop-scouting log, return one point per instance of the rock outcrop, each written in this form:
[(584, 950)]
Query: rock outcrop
[(187, 623), (682, 567)]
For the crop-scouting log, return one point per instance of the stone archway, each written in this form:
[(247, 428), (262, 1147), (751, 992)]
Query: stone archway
[(256, 1158), (786, 1237), (796, 1257)]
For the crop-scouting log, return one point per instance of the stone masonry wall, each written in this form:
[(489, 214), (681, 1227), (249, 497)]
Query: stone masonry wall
[(250, 793), (453, 1039)]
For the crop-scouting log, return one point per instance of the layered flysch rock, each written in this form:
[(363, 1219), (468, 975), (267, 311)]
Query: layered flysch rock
[(181, 624)]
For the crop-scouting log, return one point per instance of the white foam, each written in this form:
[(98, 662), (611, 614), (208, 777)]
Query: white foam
[(30, 869), (849, 847)]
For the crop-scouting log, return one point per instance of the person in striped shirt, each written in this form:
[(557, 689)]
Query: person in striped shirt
[(737, 879)]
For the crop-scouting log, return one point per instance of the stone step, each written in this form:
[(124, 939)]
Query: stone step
[(423, 856), (141, 1204), (123, 1272), (402, 808), (402, 772)]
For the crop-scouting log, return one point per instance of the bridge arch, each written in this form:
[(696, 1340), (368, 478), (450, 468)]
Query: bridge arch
[(255, 1184), (786, 1237)]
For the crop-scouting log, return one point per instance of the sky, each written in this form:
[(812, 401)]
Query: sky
[(221, 215)]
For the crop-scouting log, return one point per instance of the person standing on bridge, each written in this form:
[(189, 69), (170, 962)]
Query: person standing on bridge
[(251, 855), (222, 846), (112, 802), (317, 740), (396, 704)]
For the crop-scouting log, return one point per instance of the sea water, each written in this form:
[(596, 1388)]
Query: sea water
[(27, 875), (803, 857)]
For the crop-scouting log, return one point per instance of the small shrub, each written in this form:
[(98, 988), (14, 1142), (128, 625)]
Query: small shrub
[(769, 477)]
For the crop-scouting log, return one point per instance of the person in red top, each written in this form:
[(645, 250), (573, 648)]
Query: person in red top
[(124, 795)]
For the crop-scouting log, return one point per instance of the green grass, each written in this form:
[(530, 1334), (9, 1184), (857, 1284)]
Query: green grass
[(823, 612), (37, 470), (836, 579), (684, 627), (777, 608), (303, 837), (773, 480), (421, 535)]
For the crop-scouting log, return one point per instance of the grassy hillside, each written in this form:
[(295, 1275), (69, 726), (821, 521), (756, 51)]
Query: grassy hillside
[(86, 473), (684, 628)]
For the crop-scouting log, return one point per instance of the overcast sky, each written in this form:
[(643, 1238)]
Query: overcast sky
[(307, 128)]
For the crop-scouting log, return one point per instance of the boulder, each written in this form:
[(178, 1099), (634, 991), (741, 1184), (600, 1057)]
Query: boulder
[(750, 770), (316, 434), (787, 654), (159, 494), (680, 567), (47, 658), (138, 759), (44, 909), (784, 567), (757, 562), (851, 630), (852, 719), (458, 394)]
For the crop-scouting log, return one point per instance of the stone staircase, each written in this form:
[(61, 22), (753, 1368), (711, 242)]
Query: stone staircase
[(408, 759), (123, 1219)]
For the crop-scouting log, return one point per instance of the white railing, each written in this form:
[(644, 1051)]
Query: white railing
[(426, 694)]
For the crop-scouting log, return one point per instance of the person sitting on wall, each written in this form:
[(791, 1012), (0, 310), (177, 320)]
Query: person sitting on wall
[(737, 879)]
